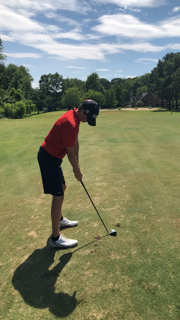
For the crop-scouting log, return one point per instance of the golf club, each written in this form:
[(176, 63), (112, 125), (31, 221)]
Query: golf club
[(113, 233)]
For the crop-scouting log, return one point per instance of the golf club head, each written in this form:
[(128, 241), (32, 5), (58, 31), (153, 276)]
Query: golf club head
[(113, 233)]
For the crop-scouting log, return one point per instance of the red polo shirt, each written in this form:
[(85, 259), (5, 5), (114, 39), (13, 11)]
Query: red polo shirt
[(62, 134)]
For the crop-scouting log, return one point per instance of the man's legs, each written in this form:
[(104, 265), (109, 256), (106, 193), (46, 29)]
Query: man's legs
[(56, 213), (64, 188)]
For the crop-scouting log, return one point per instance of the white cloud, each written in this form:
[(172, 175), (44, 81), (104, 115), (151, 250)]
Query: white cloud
[(25, 30), (176, 9), (75, 34), (134, 3), (146, 60), (175, 46), (44, 5), (58, 17), (10, 20), (130, 77), (23, 55), (141, 47), (102, 69), (72, 67), (35, 84), (5, 37), (128, 26), (28, 65)]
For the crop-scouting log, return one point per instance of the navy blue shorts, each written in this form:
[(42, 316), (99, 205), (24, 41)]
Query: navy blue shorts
[(51, 173)]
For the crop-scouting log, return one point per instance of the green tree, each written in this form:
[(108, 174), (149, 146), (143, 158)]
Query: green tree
[(93, 82), (2, 56), (51, 88), (75, 83), (17, 78), (176, 85), (96, 96), (162, 79), (36, 99), (30, 106), (110, 98), (106, 84), (117, 85), (125, 96), (141, 90), (71, 98), (15, 95)]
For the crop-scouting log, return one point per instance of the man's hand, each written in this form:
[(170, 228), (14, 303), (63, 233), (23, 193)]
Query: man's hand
[(78, 175)]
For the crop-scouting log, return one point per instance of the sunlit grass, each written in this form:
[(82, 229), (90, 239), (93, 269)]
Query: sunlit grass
[(131, 168)]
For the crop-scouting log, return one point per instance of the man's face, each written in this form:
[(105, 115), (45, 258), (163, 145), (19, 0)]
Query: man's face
[(82, 116)]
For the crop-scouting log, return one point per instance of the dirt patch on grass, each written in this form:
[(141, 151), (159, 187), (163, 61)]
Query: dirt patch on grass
[(32, 234)]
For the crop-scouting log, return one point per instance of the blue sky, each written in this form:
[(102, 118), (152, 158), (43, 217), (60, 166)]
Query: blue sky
[(115, 38)]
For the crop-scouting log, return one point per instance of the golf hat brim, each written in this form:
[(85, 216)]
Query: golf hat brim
[(91, 120)]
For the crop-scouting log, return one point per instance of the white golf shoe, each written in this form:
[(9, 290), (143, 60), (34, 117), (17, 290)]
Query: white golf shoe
[(68, 223), (63, 242)]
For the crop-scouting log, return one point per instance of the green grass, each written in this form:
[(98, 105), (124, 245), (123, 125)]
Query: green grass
[(131, 168)]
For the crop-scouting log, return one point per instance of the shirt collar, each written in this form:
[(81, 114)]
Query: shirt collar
[(75, 114)]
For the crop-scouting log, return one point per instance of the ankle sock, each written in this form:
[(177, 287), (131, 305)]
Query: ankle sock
[(55, 238)]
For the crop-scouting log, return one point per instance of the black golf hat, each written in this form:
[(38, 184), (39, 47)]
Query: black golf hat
[(91, 109)]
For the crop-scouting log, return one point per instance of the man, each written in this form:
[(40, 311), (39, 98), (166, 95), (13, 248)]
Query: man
[(61, 140)]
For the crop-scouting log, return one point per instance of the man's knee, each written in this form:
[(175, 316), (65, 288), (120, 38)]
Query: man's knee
[(58, 199)]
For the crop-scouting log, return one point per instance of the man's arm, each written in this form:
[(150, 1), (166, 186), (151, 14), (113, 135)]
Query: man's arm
[(76, 149), (73, 161)]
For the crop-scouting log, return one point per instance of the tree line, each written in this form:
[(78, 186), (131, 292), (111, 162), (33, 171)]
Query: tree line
[(18, 98)]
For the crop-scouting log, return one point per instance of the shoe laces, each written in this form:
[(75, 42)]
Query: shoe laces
[(62, 236)]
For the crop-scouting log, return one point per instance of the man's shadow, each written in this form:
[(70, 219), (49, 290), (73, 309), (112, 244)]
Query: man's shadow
[(36, 283)]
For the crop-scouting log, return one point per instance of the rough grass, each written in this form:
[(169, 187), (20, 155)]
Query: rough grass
[(131, 168)]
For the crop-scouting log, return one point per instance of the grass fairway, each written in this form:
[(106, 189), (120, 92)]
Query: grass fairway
[(131, 168)]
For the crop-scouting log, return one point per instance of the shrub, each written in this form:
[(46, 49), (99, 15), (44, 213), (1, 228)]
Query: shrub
[(1, 113), (119, 108), (20, 110), (30, 107), (9, 110), (135, 107), (139, 104)]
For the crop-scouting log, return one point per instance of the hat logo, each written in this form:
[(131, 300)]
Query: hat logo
[(87, 111)]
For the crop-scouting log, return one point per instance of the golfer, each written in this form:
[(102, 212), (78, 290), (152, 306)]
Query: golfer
[(61, 140)]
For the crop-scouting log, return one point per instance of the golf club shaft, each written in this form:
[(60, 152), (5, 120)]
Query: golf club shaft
[(93, 205)]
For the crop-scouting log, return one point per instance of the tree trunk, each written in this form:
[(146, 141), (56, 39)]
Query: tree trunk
[(176, 99), (162, 101), (169, 100)]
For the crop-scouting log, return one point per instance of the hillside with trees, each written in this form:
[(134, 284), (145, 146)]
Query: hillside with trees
[(18, 98)]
